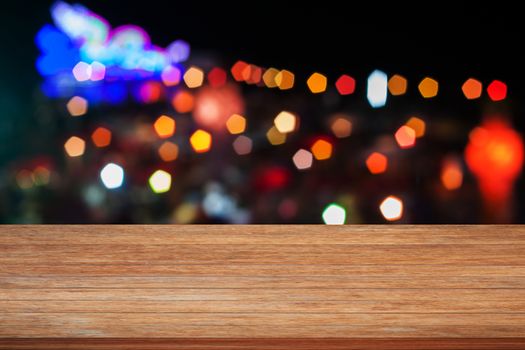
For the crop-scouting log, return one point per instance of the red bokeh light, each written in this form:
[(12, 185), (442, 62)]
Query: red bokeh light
[(497, 90), (345, 85)]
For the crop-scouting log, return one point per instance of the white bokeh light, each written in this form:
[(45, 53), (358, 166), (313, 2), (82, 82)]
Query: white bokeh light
[(391, 208), (334, 214), (112, 176), (377, 88)]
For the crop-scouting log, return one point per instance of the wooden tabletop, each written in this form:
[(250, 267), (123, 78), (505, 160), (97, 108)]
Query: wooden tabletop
[(236, 284)]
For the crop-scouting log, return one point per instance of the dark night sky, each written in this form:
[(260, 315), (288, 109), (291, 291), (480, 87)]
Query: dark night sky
[(449, 42)]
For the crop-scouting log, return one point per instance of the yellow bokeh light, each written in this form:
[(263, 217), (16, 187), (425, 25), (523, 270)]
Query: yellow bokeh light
[(341, 127), (101, 137), (397, 85), (75, 146), (275, 137), (428, 87), (194, 77), (168, 151), (418, 125), (77, 106), (164, 126), (322, 149), (269, 77), (201, 140), (236, 124), (285, 122), (160, 181), (317, 83), (391, 208), (284, 79), (24, 179)]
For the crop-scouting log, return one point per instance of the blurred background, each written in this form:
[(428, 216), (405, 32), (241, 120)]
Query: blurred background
[(261, 112)]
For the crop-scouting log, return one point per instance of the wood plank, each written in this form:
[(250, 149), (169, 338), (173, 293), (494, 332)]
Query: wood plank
[(258, 295), (147, 269), (262, 234), (274, 306), (261, 343), (248, 282), (496, 254), (277, 282)]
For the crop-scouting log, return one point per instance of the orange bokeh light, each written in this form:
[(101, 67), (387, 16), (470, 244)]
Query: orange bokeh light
[(164, 126), (317, 83), (397, 85), (322, 149), (495, 155), (377, 163), (472, 89), (168, 151), (183, 101), (405, 137), (428, 87), (451, 173), (101, 137), (418, 125)]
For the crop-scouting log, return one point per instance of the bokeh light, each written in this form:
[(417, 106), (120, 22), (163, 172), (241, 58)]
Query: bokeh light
[(252, 74), (317, 83), (183, 101), (451, 173), (377, 89), (164, 126), (101, 137), (322, 149), (178, 51), (495, 155), (284, 79), (341, 127), (77, 106), (75, 146), (200, 141), (213, 106), (194, 77), (168, 151), (397, 85), (98, 71), (418, 125), (217, 77), (302, 159), (150, 92), (82, 71), (242, 145), (238, 69), (497, 90), (112, 176), (334, 214), (269, 77), (160, 181), (236, 124), (275, 137), (472, 89), (345, 85), (285, 122), (391, 208), (377, 163), (428, 87), (171, 76), (405, 137)]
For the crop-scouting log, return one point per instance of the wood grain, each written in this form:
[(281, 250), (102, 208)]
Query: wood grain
[(231, 285)]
